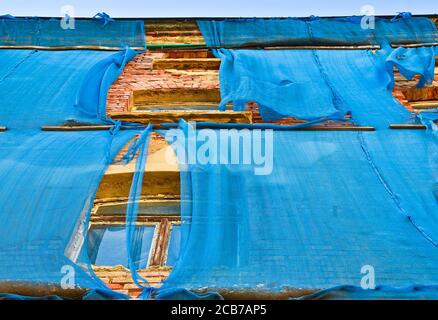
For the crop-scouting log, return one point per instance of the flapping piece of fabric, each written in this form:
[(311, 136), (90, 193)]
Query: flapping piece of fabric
[(103, 17), (429, 119), (283, 82), (411, 62), (92, 96)]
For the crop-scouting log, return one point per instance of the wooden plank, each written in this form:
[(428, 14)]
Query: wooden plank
[(32, 289), (184, 46), (320, 47), (76, 128), (408, 126), (429, 104), (174, 119), (264, 126), (173, 116), (185, 64), (415, 45), (336, 128), (165, 96)]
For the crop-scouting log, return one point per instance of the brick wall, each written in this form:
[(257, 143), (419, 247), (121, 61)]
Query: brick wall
[(140, 75), (119, 278)]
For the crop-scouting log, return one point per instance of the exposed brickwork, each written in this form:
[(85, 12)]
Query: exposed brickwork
[(140, 75), (412, 93), (119, 278)]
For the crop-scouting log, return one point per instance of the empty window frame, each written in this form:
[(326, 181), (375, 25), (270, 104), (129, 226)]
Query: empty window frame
[(156, 240)]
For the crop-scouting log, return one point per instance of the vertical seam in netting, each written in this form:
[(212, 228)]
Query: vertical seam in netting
[(389, 190), (335, 96), (17, 65)]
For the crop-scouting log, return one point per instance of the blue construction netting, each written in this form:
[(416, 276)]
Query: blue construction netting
[(284, 82), (88, 74), (355, 30), (49, 179), (333, 203), (101, 31)]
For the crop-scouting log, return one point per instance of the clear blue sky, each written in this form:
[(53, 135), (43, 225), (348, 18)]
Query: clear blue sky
[(210, 8)]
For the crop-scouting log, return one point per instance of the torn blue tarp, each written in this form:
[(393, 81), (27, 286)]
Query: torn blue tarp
[(309, 84), (356, 30), (411, 62), (79, 77), (92, 96), (71, 32), (277, 81), (429, 118), (362, 82)]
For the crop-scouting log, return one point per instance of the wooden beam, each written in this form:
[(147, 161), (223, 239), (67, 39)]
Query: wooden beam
[(173, 116), (174, 119), (336, 128), (183, 46), (324, 47), (77, 128), (429, 104), (415, 45), (408, 126), (182, 96), (185, 64), (38, 290), (280, 127)]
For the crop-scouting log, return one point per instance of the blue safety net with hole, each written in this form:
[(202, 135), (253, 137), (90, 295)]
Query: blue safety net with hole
[(291, 212), (309, 84), (333, 203), (319, 208), (356, 30), (49, 179), (101, 31)]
